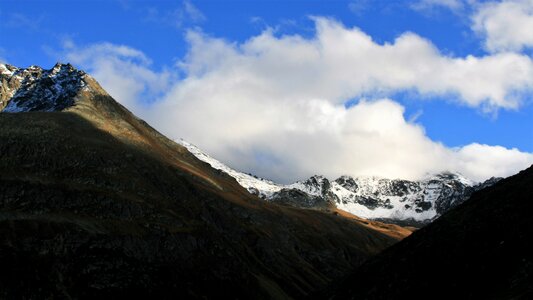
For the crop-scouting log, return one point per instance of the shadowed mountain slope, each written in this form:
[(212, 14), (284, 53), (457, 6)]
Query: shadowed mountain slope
[(96, 203), (480, 250)]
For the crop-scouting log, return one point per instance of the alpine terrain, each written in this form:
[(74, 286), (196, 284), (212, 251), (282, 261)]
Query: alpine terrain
[(94, 203), (390, 200)]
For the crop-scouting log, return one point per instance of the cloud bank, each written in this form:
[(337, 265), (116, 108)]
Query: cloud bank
[(505, 25), (277, 106)]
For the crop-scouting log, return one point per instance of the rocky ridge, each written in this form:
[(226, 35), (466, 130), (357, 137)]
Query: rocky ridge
[(390, 200), (37, 89)]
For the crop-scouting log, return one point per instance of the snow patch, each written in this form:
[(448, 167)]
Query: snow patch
[(262, 187), (4, 70)]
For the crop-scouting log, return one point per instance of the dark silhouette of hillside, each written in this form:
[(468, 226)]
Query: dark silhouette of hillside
[(480, 250)]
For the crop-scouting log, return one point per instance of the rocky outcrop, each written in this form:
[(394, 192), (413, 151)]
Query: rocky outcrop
[(36, 89)]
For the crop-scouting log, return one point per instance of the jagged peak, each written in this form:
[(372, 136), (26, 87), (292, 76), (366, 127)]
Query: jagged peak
[(37, 89), (7, 69), (318, 178), (11, 70), (451, 176), (35, 67), (440, 176)]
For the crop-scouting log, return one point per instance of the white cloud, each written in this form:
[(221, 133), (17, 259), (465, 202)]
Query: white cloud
[(506, 25), (186, 13), (478, 160), (341, 63), (122, 71), (275, 106), (295, 139), (193, 12), (425, 5), (358, 6), (2, 58), (31, 23)]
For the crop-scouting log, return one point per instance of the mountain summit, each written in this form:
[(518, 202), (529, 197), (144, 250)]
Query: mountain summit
[(35, 89), (95, 203)]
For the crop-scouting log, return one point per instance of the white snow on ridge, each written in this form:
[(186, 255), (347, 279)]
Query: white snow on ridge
[(399, 210), (366, 197), (309, 188), (401, 196), (5, 71), (37, 89), (262, 187)]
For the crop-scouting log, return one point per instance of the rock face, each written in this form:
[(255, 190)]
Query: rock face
[(35, 89), (315, 192), (390, 200), (480, 250), (94, 203), (403, 200)]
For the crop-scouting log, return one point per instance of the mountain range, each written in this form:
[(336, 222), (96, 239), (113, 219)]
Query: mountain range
[(95, 203), (391, 200), (404, 202)]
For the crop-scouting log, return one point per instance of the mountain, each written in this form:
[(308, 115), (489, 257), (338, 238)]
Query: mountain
[(35, 89), (389, 200), (480, 250), (94, 203)]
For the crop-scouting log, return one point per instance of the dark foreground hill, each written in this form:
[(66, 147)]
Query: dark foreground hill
[(94, 203), (481, 250)]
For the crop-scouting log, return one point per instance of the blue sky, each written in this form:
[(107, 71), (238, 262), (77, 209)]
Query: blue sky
[(160, 36)]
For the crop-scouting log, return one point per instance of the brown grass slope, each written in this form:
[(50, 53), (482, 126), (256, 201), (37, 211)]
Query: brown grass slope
[(480, 250), (94, 203)]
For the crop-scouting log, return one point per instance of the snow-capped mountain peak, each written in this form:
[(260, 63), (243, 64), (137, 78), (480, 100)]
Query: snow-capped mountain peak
[(368, 197), (316, 185), (37, 89)]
